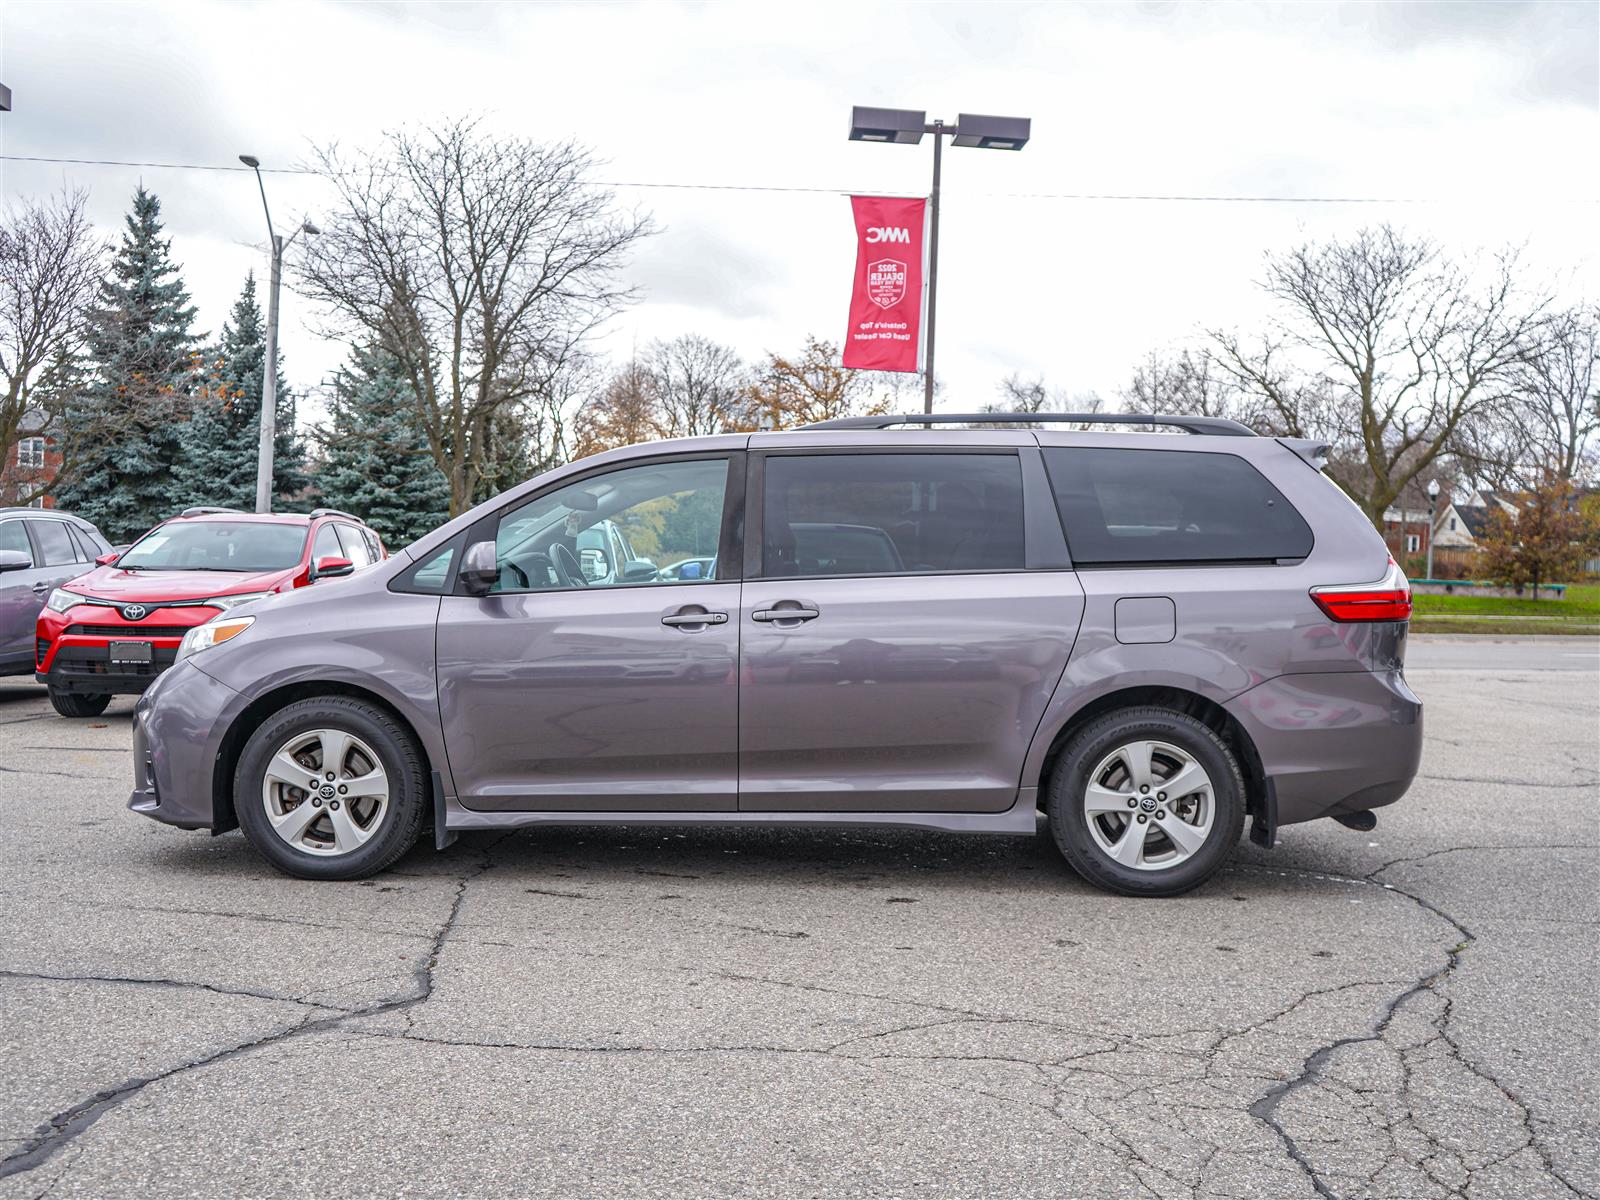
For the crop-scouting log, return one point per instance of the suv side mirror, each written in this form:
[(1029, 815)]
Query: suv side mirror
[(640, 570), (14, 560), (331, 567), (105, 560), (479, 572)]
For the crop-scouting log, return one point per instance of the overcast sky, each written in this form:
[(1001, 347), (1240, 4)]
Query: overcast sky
[(1488, 111)]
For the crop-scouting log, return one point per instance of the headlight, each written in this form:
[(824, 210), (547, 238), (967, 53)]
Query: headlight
[(213, 633), (61, 600), (227, 602)]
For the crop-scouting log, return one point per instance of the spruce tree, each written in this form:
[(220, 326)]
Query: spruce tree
[(222, 440), (124, 429), (375, 460)]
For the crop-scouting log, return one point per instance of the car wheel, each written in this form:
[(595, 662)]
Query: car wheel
[(79, 704), (1146, 802), (330, 788)]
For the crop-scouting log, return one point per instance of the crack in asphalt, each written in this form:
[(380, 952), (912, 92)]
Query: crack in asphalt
[(1313, 1068), (156, 982), (64, 1127)]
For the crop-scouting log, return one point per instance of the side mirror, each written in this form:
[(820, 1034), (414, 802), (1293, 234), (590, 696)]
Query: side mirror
[(689, 570), (640, 570), (105, 560), (14, 560), (479, 573), (331, 568)]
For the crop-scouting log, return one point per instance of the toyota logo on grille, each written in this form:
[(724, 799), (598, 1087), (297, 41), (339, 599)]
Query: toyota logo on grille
[(134, 612)]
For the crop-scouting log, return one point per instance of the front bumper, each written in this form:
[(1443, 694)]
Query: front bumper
[(178, 727), (74, 648), (1335, 742)]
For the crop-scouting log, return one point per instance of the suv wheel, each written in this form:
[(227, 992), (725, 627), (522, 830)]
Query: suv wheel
[(330, 788), (79, 704), (1146, 802)]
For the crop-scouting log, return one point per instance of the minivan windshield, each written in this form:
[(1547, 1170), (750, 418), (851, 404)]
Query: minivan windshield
[(217, 546)]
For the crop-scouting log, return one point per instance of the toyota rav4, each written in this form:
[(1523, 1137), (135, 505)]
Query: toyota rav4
[(115, 629)]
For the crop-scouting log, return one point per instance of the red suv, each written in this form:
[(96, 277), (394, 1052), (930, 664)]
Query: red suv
[(115, 629)]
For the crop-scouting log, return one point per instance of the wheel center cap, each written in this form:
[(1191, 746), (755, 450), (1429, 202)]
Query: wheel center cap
[(1148, 803), (327, 791)]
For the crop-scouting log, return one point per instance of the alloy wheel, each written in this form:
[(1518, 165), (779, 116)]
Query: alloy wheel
[(325, 792), (1149, 805)]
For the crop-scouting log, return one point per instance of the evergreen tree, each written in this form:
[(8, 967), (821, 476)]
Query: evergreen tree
[(124, 429), (222, 439), (375, 456)]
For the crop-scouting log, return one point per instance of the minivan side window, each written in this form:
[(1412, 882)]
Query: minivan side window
[(891, 514), (1155, 507), (574, 536)]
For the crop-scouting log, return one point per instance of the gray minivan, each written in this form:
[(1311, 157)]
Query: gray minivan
[(1150, 636)]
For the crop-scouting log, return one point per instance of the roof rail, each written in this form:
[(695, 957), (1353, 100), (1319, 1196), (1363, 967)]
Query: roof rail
[(334, 512), (201, 510), (1213, 426)]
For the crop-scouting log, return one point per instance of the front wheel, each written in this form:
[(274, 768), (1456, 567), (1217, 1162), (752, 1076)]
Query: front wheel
[(330, 788), (79, 704), (1146, 802)]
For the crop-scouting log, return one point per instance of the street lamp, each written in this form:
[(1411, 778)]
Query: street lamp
[(1433, 500), (269, 383), (906, 126)]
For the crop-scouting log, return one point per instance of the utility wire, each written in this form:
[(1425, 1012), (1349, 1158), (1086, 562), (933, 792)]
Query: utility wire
[(830, 191)]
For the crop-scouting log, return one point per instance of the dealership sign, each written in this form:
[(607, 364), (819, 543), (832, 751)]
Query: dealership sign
[(886, 298)]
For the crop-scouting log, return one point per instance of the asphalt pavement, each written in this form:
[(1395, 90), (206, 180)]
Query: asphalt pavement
[(608, 1012)]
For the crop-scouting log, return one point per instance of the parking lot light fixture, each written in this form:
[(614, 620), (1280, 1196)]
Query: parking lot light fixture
[(905, 126), (269, 372)]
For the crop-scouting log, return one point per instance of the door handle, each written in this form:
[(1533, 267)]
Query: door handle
[(40, 589), (785, 614), (697, 618)]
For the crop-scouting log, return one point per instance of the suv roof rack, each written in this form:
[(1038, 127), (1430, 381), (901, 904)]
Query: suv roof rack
[(1212, 426), (202, 510), (334, 512)]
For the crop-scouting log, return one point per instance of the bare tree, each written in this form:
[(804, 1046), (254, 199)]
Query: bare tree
[(50, 262), (481, 264), (1190, 383), (700, 386), (1558, 394), (1386, 348)]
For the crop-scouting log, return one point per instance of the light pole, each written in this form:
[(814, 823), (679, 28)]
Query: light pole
[(1433, 500), (906, 126), (269, 373)]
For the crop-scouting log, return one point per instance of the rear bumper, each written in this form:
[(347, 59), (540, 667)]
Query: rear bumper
[(178, 729), (1334, 742)]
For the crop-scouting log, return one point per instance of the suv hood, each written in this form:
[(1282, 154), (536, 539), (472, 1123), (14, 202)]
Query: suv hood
[(113, 583)]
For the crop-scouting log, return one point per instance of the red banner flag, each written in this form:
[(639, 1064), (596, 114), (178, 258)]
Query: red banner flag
[(886, 300)]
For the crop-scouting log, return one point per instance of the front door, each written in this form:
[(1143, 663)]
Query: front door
[(587, 685), (897, 653)]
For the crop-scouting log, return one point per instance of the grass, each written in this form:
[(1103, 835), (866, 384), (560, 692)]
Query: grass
[(1576, 616)]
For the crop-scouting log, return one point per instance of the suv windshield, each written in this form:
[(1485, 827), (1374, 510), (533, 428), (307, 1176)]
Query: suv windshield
[(217, 546)]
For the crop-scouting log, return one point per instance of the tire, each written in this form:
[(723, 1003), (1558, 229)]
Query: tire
[(1099, 832), (79, 704), (380, 788)]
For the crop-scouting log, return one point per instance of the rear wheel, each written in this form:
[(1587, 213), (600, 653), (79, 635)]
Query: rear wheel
[(1147, 802), (78, 704), (330, 788)]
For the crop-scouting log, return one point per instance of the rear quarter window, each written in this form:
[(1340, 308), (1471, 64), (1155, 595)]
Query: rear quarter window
[(1151, 507)]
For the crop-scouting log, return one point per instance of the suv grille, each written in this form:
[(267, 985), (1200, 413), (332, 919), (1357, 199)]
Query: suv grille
[(130, 631)]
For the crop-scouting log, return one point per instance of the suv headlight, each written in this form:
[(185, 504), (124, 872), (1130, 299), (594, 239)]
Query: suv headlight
[(227, 602), (213, 633), (61, 600)]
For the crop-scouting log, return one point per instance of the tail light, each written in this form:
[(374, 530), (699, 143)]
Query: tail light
[(1389, 599)]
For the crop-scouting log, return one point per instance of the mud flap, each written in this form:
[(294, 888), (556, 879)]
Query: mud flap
[(442, 837), (1264, 825)]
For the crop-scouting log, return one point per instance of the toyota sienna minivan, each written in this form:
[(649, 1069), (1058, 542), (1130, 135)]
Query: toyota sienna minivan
[(1150, 636)]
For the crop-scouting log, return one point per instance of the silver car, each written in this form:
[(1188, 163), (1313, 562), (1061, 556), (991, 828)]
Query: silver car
[(1152, 637), (40, 549)]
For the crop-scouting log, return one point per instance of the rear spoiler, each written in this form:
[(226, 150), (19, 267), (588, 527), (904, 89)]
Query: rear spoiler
[(1314, 450)]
